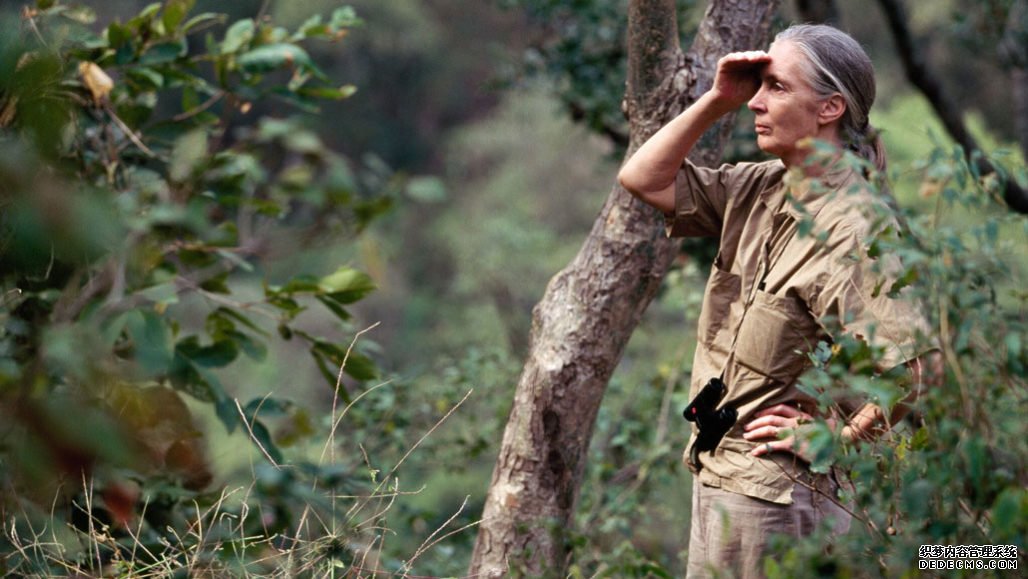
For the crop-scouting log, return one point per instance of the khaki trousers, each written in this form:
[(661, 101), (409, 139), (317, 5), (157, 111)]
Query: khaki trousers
[(730, 532)]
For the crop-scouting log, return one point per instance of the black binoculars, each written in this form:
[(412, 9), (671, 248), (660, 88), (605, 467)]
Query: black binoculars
[(713, 422)]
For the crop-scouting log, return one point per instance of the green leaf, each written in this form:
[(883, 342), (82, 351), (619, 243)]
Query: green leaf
[(218, 355), (344, 17), (1009, 513), (80, 14), (329, 373), (217, 284), (360, 367), (151, 339), (146, 79), (298, 284), (239, 318), (111, 329), (174, 12), (237, 36), (346, 285), (117, 35), (189, 151), (908, 278), (312, 27), (274, 56), (164, 53), (426, 189), (260, 432), (255, 350), (227, 414), (269, 406), (200, 19), (202, 384), (290, 307), (162, 295), (335, 307), (329, 93), (148, 12)]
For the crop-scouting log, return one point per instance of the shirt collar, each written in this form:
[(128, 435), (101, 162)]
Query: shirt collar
[(803, 197)]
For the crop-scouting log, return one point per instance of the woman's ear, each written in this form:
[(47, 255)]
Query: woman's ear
[(832, 109)]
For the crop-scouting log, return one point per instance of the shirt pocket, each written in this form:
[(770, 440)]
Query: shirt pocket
[(722, 290), (775, 335)]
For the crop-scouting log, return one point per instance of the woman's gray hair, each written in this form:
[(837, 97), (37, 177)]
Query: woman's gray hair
[(836, 63)]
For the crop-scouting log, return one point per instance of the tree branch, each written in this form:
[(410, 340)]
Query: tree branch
[(818, 11), (615, 134), (921, 77)]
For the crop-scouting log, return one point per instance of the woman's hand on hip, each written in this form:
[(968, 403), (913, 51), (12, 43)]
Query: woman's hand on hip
[(775, 427)]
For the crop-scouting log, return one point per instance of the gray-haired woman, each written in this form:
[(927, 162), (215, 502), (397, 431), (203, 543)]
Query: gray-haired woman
[(774, 293)]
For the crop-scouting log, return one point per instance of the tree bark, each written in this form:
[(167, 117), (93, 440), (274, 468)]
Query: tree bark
[(589, 310), (818, 11), (921, 77), (1013, 53), (1019, 80)]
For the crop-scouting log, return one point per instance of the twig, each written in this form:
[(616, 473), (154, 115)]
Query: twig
[(253, 436), (136, 542), (87, 489), (357, 508), (429, 433), (27, 14), (339, 383), (665, 403), (129, 132), (262, 11), (977, 518), (427, 544), (392, 499), (186, 115)]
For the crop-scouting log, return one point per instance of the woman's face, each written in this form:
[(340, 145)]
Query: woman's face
[(786, 107)]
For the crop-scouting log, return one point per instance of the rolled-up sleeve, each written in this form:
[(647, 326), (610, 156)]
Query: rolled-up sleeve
[(855, 299), (702, 195)]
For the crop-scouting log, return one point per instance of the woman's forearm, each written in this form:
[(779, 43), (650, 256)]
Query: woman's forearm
[(650, 173), (870, 420)]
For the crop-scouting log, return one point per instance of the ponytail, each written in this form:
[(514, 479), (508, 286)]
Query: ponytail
[(867, 144)]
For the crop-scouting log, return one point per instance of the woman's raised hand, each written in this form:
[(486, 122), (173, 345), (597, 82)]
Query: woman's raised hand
[(738, 77)]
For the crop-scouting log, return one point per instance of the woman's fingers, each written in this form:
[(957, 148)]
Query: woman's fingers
[(763, 431), (783, 410), (786, 444), (746, 56), (738, 75), (770, 424), (771, 420)]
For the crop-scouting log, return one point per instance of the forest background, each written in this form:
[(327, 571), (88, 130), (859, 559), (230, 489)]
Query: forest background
[(479, 143)]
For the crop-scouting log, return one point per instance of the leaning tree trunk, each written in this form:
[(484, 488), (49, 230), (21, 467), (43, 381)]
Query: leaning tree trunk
[(589, 310)]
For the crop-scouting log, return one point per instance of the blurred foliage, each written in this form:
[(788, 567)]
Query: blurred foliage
[(423, 68), (958, 40), (142, 208), (956, 472), (580, 47)]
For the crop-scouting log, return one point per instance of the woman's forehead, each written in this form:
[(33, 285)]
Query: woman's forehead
[(787, 61)]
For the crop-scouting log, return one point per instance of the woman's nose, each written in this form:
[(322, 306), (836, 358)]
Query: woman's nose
[(756, 103)]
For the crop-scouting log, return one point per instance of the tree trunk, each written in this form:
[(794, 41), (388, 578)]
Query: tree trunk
[(589, 310), (1014, 55), (1019, 82), (818, 11)]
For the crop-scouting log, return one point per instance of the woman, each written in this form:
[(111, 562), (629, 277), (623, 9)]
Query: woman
[(774, 292)]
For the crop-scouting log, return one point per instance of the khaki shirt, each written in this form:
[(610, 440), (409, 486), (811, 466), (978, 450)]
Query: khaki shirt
[(804, 283)]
